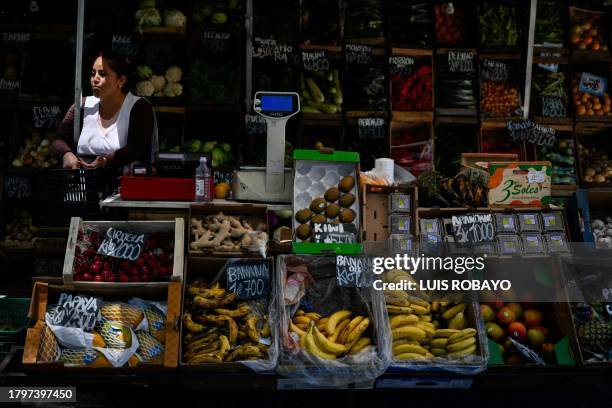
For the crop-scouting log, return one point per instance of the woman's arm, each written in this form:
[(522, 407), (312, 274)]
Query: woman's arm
[(140, 130), (64, 138)]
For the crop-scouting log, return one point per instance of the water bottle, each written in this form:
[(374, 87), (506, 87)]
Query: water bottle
[(202, 182)]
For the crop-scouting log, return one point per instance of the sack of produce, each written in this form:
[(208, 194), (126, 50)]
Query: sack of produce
[(332, 333), (227, 320)]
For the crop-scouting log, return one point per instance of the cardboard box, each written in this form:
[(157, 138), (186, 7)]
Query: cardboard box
[(76, 224), (35, 356), (375, 210), (519, 183)]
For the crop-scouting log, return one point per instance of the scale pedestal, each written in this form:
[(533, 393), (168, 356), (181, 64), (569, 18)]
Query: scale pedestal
[(273, 183)]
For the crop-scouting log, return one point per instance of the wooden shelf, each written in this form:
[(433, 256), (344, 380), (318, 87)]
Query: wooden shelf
[(585, 56), (412, 52), (377, 41), (174, 31), (323, 118), (402, 116), (315, 47), (366, 114)]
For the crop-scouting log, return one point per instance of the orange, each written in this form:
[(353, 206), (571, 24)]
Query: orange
[(580, 110), (222, 190), (590, 112)]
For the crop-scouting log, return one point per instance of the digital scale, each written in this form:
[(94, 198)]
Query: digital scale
[(273, 183)]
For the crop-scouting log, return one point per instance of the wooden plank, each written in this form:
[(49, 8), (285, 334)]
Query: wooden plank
[(456, 120), (366, 114), (170, 109), (442, 50), (412, 116), (380, 41), (456, 112), (416, 52), (582, 56), (326, 118), (163, 31), (499, 56), (564, 51), (331, 48)]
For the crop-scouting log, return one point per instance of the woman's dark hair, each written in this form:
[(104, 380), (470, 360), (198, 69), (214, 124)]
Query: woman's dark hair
[(120, 64)]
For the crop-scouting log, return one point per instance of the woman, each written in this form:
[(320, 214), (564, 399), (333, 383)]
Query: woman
[(118, 128)]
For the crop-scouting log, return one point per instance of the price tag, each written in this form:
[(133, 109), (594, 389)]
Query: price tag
[(473, 228), (358, 54), (534, 177), (370, 128), (124, 45), (543, 136), (248, 278), (531, 132), (14, 41), (354, 271), (76, 311), (494, 71), (17, 186), (401, 65), (519, 130), (553, 107), (593, 84), (461, 61), (216, 42), (269, 49), (255, 125), (335, 233), (122, 244), (315, 61), (46, 116)]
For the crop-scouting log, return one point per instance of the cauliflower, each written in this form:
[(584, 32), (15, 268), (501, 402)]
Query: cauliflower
[(148, 17), (158, 81), (174, 18), (173, 89), (144, 72), (144, 88), (174, 74)]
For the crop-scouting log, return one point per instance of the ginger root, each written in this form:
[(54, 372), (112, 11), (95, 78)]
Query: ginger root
[(204, 241), (221, 232)]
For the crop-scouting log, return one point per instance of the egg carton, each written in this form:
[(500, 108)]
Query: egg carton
[(314, 178)]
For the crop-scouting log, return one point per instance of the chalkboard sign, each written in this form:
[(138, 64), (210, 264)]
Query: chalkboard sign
[(519, 130), (14, 41), (9, 89), (315, 61), (248, 278), (531, 132), (255, 125), (269, 49), (17, 186), (216, 42), (593, 84), (473, 228), (494, 71), (122, 244), (401, 65), (124, 45), (335, 233), (354, 271), (76, 311), (358, 54), (370, 128), (46, 116), (553, 107), (461, 61)]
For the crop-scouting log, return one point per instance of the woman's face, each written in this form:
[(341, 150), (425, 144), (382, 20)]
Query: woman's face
[(104, 81)]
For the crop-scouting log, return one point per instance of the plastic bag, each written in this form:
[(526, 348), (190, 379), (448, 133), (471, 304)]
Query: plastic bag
[(246, 324), (325, 297)]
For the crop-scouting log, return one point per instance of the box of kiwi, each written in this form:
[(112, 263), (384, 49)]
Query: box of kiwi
[(106, 329), (326, 203)]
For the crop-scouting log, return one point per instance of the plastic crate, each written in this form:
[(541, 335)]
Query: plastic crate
[(66, 193), (14, 313)]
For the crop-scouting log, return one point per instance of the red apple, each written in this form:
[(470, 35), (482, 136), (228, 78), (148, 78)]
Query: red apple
[(517, 331), (548, 353), (505, 315), (87, 277), (135, 278), (145, 255), (125, 265), (535, 338), (145, 278), (134, 271), (96, 268), (517, 309), (151, 243), (89, 253), (112, 278), (140, 262), (106, 266), (533, 317), (124, 278), (144, 270), (98, 278)]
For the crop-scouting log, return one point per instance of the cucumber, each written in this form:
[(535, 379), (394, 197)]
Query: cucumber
[(309, 109), (316, 93), (338, 95), (325, 107)]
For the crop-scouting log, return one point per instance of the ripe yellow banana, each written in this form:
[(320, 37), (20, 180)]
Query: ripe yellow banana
[(224, 347), (295, 329), (397, 302), (408, 356), (445, 332), (240, 312), (313, 316), (265, 330), (251, 324), (339, 328), (348, 329), (336, 318), (436, 351), (430, 331), (402, 320), (418, 309), (300, 312), (465, 352), (358, 331), (461, 335), (322, 323), (409, 332), (302, 320), (191, 325), (324, 344), (460, 345), (303, 326), (457, 322), (360, 345), (420, 302), (408, 348), (405, 341), (392, 309), (311, 346), (439, 342), (246, 352), (450, 313), (204, 358), (425, 318), (214, 303), (435, 306)]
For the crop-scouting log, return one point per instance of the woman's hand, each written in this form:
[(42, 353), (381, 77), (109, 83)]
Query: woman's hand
[(99, 161), (70, 161)]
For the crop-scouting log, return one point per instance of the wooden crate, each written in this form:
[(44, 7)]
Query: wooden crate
[(76, 224), (44, 294)]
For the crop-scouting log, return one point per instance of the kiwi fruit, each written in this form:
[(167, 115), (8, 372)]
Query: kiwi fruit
[(304, 231), (332, 211), (332, 194), (303, 215), (346, 184), (347, 200), (319, 219), (318, 205), (347, 215)]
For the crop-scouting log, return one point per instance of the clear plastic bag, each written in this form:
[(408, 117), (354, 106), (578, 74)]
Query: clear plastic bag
[(324, 296)]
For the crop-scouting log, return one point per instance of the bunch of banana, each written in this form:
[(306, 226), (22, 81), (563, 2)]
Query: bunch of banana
[(333, 336), (421, 329), (218, 330)]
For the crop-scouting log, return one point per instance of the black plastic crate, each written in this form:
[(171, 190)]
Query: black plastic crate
[(13, 323)]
